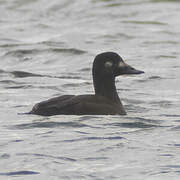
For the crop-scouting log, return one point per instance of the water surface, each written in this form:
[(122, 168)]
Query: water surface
[(47, 49)]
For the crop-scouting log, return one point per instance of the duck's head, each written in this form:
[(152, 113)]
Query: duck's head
[(110, 64)]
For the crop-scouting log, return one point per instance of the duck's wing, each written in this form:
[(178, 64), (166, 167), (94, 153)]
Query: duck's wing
[(95, 105), (51, 106), (90, 108)]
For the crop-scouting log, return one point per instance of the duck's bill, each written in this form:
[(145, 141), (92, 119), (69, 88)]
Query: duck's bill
[(131, 70), (127, 69)]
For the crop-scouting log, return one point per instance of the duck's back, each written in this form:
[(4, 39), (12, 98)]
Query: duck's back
[(78, 105)]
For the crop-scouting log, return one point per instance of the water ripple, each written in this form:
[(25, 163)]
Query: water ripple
[(24, 52), (48, 125), (156, 1), (132, 125), (165, 56), (16, 173), (161, 42), (145, 22), (1, 71), (95, 138), (5, 156), (69, 51), (46, 156), (23, 74)]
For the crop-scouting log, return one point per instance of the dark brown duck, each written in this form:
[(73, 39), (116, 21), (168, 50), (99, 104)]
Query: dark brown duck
[(105, 101)]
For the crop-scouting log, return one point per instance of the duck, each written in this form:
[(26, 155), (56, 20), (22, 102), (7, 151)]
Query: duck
[(105, 101)]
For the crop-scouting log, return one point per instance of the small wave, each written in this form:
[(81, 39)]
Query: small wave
[(85, 69), (5, 156), (116, 4), (95, 158), (6, 42), (177, 145), (136, 108), (2, 71), (95, 138), (176, 128), (7, 45), (16, 173), (155, 77), (89, 117), (168, 32), (123, 89), (46, 156), (149, 78), (164, 104), (133, 101), (133, 125), (167, 155), (48, 125), (156, 1), (68, 77), (52, 43), (18, 74), (23, 74), (9, 82), (171, 115), (145, 22), (146, 120), (165, 57), (19, 87), (71, 85), (161, 42), (171, 166), (68, 50), (24, 52), (116, 36)]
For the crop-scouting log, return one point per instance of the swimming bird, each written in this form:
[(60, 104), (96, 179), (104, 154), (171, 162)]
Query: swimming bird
[(106, 67)]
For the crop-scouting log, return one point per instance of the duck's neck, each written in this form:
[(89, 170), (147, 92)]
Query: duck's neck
[(106, 87)]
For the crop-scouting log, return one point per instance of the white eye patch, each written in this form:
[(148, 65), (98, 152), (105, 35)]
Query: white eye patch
[(121, 64), (108, 64)]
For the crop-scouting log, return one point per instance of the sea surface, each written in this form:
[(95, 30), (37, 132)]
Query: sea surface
[(47, 49)]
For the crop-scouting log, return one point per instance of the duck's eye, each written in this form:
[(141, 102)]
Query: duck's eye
[(108, 64)]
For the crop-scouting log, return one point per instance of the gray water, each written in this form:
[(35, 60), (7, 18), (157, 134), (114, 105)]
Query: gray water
[(47, 49)]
